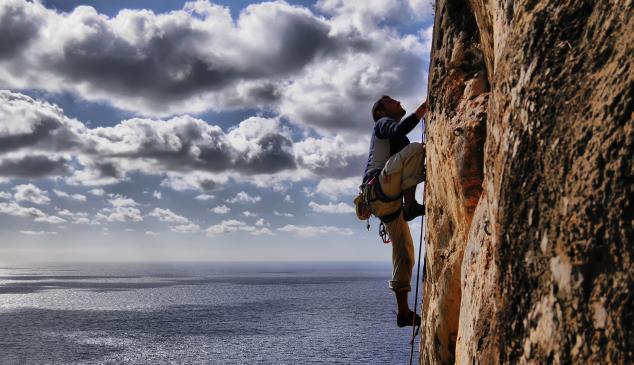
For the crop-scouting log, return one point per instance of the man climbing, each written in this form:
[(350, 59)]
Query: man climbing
[(395, 166)]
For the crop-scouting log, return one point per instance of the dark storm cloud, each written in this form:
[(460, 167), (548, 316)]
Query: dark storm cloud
[(33, 166), (166, 68), (17, 28), (30, 123), (323, 72), (180, 145), (276, 155), (343, 167), (144, 62), (48, 133)]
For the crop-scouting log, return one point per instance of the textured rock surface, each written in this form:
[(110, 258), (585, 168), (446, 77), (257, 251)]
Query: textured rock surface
[(531, 183)]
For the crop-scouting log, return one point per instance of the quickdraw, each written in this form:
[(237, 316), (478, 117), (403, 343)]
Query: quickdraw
[(383, 234)]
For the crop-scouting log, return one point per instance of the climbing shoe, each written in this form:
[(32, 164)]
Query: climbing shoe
[(407, 319), (413, 210)]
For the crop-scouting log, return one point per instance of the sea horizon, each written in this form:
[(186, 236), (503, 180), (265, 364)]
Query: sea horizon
[(200, 312)]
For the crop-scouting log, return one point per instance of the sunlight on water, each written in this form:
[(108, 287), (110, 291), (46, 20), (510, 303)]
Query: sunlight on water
[(200, 313)]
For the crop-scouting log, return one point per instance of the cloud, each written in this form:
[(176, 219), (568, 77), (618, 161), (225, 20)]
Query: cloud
[(120, 214), (77, 217), (38, 233), (97, 192), (247, 213), (52, 219), (204, 197), (185, 228), (181, 61), (38, 140), (31, 123), (5, 196), (63, 194), (243, 197), (312, 231), (31, 193), (166, 215), (33, 166), (340, 208), (282, 214), (332, 156), (15, 209), (221, 209), (122, 201), (233, 225), (334, 188), (179, 224), (157, 194), (318, 69)]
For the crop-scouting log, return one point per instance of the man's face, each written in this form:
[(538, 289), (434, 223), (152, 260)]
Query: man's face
[(393, 108)]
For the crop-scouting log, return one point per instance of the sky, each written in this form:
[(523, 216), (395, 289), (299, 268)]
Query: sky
[(158, 130)]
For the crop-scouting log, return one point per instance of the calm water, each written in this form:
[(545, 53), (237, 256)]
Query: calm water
[(239, 313)]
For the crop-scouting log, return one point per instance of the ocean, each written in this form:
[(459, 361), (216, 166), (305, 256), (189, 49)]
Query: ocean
[(200, 313)]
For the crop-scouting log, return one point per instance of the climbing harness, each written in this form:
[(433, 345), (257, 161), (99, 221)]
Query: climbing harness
[(369, 192)]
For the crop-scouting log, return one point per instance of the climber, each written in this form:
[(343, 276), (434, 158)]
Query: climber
[(395, 166)]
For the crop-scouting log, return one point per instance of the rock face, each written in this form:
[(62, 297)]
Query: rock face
[(530, 197)]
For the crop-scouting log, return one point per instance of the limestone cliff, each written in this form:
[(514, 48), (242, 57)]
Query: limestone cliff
[(531, 183)]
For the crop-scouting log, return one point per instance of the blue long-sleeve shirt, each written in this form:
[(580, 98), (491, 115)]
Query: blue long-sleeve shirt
[(388, 138)]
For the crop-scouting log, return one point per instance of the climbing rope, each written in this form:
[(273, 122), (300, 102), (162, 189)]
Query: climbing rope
[(415, 329)]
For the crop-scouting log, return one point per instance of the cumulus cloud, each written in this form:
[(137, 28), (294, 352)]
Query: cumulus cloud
[(166, 215), (120, 214), (221, 209), (157, 194), (334, 188), (233, 225), (64, 194), (283, 214), (339, 208), (31, 193), (311, 231), (177, 223), (97, 192), (204, 197), (33, 166), (15, 209), (77, 217), (185, 60), (122, 201), (38, 233), (334, 157), (243, 197), (52, 219), (38, 140), (185, 228), (317, 69)]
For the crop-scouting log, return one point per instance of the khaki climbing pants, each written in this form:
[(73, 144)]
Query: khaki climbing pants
[(402, 171)]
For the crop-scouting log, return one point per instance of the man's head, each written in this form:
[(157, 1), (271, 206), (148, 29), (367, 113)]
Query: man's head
[(387, 107)]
